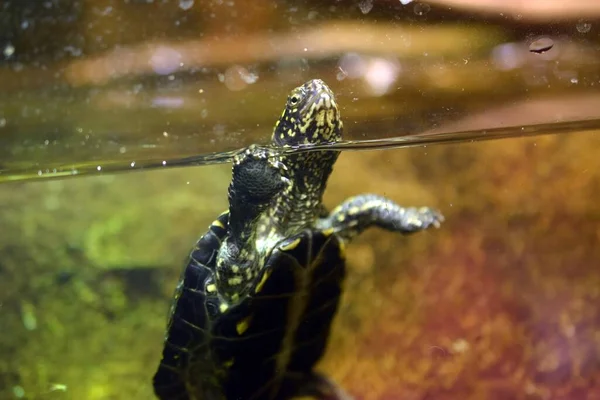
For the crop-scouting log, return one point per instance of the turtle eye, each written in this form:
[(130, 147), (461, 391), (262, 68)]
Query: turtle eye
[(294, 99)]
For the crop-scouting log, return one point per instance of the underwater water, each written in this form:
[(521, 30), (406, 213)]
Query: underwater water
[(117, 124), (500, 302)]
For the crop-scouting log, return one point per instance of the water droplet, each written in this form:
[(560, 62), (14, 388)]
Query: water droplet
[(353, 65), (9, 50), (583, 26), (574, 80), (74, 51), (248, 76), (99, 168), (365, 6), (237, 77), (405, 2), (421, 9), (186, 4), (105, 11), (165, 60), (541, 45), (2, 122)]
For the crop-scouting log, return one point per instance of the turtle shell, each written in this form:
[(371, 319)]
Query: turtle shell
[(257, 348)]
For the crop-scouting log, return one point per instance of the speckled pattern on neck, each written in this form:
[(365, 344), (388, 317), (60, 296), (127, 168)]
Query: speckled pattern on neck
[(311, 116)]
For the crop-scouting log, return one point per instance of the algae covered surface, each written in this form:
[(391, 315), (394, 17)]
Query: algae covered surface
[(501, 302)]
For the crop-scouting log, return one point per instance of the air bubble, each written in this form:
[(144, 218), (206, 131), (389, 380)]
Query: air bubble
[(365, 6), (186, 4), (9, 50), (237, 77), (421, 9), (583, 26)]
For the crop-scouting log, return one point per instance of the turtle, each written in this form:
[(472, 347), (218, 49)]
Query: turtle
[(253, 309)]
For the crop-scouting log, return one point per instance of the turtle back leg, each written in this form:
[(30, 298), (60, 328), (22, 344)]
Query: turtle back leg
[(358, 213)]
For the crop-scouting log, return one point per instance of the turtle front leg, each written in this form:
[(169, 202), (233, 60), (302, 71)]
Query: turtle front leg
[(320, 387), (363, 211)]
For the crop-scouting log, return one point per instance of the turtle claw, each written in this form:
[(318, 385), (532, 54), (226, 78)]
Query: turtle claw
[(429, 216)]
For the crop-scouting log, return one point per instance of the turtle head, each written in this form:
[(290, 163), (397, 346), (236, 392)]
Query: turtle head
[(311, 116)]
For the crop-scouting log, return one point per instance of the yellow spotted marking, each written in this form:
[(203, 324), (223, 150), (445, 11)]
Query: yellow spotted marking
[(291, 133), (353, 210), (235, 268), (262, 282), (340, 217), (328, 232), (223, 307), (243, 325), (291, 246), (342, 245), (228, 363), (210, 288), (236, 280), (235, 297), (320, 119), (218, 223)]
